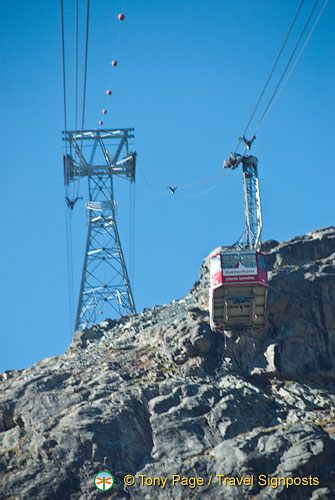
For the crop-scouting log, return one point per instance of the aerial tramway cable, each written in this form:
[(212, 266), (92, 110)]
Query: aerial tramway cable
[(74, 191), (114, 63), (165, 184), (85, 69), (133, 241), (203, 180), (277, 94), (63, 65), (132, 214), (72, 180), (270, 74), (84, 84), (173, 189), (280, 86), (68, 223), (76, 65), (211, 188), (145, 179), (285, 69), (68, 213), (77, 184), (200, 181)]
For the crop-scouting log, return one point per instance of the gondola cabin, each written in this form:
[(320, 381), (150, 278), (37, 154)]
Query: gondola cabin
[(238, 290)]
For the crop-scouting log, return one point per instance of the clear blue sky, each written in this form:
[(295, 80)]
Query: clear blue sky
[(189, 75)]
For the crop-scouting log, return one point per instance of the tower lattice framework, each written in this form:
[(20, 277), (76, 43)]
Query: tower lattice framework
[(252, 202), (100, 155)]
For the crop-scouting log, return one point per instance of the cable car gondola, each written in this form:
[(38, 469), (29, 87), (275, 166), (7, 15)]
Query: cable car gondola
[(238, 290), (238, 277)]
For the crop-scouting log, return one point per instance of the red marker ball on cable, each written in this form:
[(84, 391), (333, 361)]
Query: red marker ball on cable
[(104, 111), (121, 17), (114, 63), (108, 92), (100, 122)]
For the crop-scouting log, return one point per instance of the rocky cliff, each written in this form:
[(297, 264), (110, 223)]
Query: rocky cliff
[(189, 413)]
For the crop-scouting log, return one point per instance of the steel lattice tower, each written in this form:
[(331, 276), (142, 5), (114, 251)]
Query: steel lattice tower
[(251, 237), (104, 279), (252, 202)]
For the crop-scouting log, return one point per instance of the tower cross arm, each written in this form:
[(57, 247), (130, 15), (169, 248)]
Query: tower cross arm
[(104, 134), (125, 167)]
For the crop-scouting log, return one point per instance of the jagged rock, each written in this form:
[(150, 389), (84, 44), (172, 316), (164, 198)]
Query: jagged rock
[(158, 394), (299, 340), (6, 421), (82, 338)]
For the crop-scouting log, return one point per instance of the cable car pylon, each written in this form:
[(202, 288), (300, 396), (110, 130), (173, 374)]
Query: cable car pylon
[(105, 286), (238, 275)]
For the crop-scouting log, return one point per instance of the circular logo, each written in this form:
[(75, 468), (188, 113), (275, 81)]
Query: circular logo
[(104, 480)]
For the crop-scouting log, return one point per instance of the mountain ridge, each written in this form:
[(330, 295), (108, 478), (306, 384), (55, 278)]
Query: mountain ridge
[(159, 394)]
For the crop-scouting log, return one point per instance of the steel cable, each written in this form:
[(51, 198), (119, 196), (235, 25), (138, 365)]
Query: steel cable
[(203, 180), (63, 64), (271, 72), (76, 64), (68, 224), (273, 96), (84, 87), (85, 69), (293, 66)]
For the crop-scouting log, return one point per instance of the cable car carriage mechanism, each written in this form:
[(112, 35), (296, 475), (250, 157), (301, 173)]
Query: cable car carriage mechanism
[(238, 276)]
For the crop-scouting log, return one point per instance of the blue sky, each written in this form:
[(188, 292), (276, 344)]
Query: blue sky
[(188, 77)]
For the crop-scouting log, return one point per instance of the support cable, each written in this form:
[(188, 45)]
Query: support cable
[(63, 63), (194, 195), (85, 71), (285, 69), (203, 180), (133, 238), (107, 101), (69, 252), (75, 82), (85, 78), (76, 65), (146, 180), (271, 73), (68, 227), (130, 230), (293, 66), (202, 193)]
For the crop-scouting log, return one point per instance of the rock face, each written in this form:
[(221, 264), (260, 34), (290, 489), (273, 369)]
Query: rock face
[(188, 412)]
